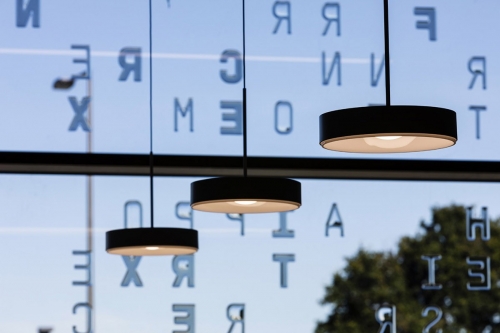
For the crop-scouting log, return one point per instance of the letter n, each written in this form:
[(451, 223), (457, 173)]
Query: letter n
[(24, 12)]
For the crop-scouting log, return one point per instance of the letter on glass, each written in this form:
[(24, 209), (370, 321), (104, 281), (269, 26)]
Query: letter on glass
[(79, 119), (430, 23), (184, 112), (431, 281), (474, 223), (183, 211), (284, 259), (24, 12), (235, 117), (236, 315), (334, 221), (331, 13), (87, 267), (478, 109), (375, 77), (187, 320), (183, 267), (89, 317), (477, 67), (283, 231), (240, 218), (285, 106), (282, 12), (132, 275), (238, 66), (132, 66), (335, 63), (481, 272), (386, 317)]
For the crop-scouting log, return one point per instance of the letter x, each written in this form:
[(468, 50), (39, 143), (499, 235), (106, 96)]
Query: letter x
[(131, 275), (79, 109)]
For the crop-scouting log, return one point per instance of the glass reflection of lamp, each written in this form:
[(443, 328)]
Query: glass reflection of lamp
[(388, 128), (64, 83), (151, 241), (245, 195), (45, 330)]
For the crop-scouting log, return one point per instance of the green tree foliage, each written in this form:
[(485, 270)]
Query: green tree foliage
[(374, 278)]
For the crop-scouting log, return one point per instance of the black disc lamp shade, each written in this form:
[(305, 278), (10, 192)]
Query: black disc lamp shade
[(152, 241), (244, 195), (388, 129)]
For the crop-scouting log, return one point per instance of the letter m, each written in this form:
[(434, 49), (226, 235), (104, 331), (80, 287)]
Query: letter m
[(24, 10), (184, 112)]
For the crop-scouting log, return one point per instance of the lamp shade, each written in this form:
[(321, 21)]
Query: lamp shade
[(388, 129), (245, 195), (152, 241)]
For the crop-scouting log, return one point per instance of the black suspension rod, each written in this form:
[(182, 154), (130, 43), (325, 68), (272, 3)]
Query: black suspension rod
[(387, 55)]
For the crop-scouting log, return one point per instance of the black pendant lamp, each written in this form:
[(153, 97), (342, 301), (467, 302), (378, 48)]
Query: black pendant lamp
[(388, 128), (245, 195), (151, 241)]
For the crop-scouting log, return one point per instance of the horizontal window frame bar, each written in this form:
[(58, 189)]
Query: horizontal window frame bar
[(215, 166)]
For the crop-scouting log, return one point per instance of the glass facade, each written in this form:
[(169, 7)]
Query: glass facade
[(358, 256), (276, 268), (304, 59)]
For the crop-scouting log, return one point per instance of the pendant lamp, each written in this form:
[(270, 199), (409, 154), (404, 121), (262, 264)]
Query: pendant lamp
[(388, 128), (245, 195), (151, 241)]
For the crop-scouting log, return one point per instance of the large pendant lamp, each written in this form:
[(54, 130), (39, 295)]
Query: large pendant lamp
[(244, 195), (388, 128), (151, 241)]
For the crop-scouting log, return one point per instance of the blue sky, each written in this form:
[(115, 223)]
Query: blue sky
[(42, 217), (189, 38), (43, 220)]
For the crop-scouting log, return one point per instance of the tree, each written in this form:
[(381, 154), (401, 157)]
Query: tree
[(373, 278)]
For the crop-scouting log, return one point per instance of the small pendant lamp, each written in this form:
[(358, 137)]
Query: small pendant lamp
[(388, 128), (151, 241), (245, 195)]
